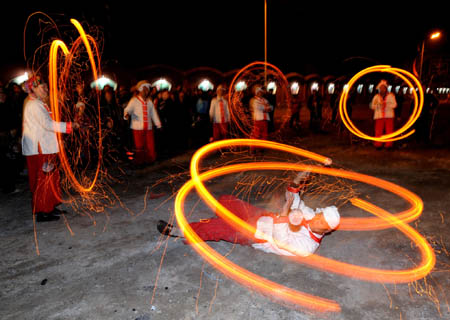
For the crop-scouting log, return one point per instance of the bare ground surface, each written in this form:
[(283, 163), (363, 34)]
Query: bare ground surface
[(116, 265)]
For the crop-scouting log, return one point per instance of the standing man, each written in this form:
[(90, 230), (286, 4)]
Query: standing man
[(40, 147), (219, 114), (260, 108), (143, 114), (383, 105)]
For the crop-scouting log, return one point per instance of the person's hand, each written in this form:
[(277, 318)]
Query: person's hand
[(289, 196)]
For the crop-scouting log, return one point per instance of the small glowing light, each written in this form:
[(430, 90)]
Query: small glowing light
[(206, 85), (428, 90), (162, 84), (345, 87), (390, 89), (371, 88), (240, 86), (405, 90), (331, 88), (314, 86), (272, 86), (360, 88), (435, 35), (397, 89), (20, 79), (101, 82), (295, 88)]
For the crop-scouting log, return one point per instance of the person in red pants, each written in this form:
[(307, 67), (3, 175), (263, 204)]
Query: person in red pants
[(298, 228), (40, 147), (260, 109), (219, 115), (383, 105), (143, 116)]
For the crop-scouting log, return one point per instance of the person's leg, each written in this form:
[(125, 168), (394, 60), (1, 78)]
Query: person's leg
[(216, 131), (150, 153), (139, 141), (48, 191), (224, 130), (256, 133), (379, 126), (264, 130), (389, 128), (33, 164)]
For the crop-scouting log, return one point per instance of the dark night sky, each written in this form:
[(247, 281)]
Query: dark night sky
[(316, 37)]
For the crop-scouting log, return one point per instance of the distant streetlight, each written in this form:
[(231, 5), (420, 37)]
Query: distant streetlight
[(433, 36)]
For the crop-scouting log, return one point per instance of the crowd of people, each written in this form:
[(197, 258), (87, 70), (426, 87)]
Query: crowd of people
[(142, 124)]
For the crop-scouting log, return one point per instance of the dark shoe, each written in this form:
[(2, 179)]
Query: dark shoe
[(42, 217), (164, 227), (57, 212)]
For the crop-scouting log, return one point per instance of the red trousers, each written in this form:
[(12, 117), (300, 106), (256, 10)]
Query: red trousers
[(44, 186), (217, 229), (144, 143), (220, 131), (260, 131), (383, 126)]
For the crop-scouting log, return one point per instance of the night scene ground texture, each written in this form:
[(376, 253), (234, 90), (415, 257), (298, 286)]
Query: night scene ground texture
[(120, 267)]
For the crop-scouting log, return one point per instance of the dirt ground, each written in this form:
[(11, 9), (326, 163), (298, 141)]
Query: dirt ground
[(116, 265)]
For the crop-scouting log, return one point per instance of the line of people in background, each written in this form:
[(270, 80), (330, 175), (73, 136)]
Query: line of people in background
[(177, 120)]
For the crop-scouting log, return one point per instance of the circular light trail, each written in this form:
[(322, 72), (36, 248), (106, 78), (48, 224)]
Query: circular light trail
[(398, 134), (54, 97), (383, 220)]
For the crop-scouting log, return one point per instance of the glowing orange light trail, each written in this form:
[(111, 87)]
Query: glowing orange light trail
[(53, 84), (396, 135), (384, 220)]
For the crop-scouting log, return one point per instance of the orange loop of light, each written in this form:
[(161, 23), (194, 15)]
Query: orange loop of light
[(400, 133), (384, 220), (53, 83), (235, 117)]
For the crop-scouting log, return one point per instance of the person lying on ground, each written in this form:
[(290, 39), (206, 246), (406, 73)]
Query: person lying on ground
[(295, 230)]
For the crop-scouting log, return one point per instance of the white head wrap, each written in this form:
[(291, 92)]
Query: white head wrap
[(145, 84), (331, 215)]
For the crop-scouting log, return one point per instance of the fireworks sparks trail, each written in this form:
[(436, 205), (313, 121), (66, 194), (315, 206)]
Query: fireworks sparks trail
[(396, 135), (256, 73), (382, 220)]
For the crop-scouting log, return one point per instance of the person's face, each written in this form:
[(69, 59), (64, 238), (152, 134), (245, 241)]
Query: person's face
[(165, 95), (383, 90), (41, 91), (295, 217), (145, 92), (108, 96)]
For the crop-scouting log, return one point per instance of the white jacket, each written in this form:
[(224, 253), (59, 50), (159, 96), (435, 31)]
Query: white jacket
[(300, 243), (383, 109), (258, 105), (39, 129), (135, 109), (215, 113)]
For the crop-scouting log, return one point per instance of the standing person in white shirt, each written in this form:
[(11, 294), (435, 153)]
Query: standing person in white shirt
[(383, 105), (219, 114), (260, 109), (296, 230), (40, 147), (143, 116)]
